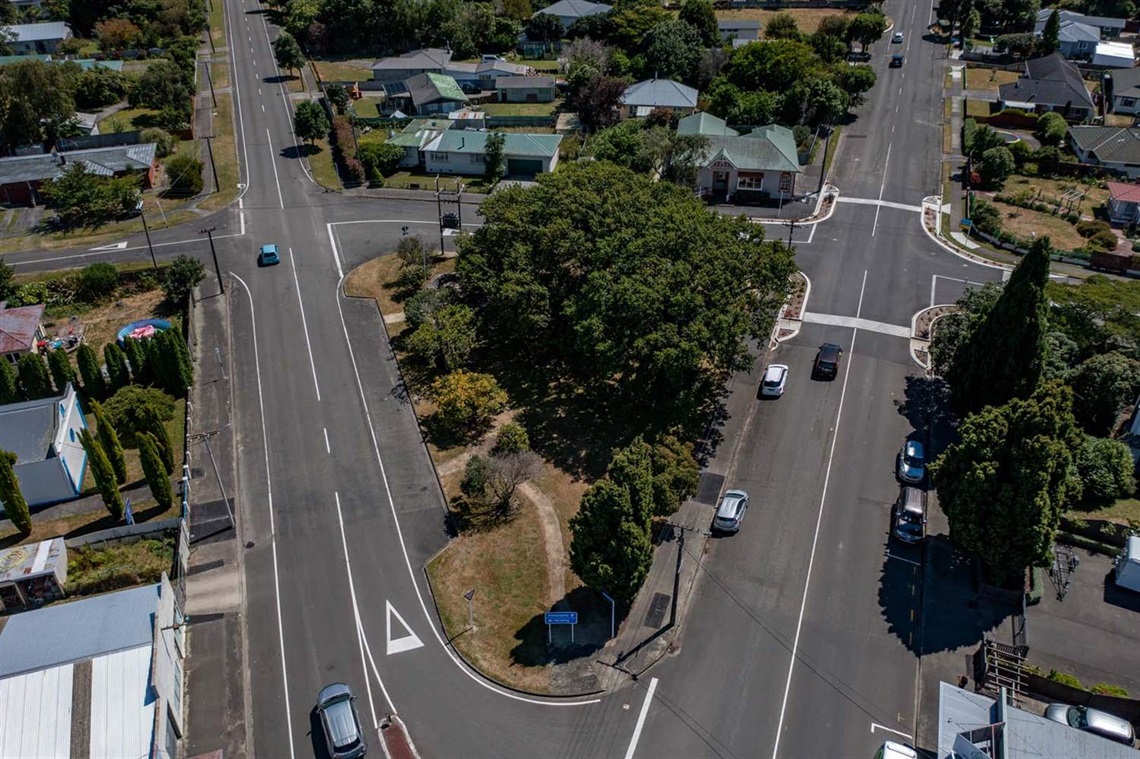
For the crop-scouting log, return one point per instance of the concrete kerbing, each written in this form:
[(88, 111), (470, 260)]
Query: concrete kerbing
[(917, 342), (792, 324), (829, 191), (935, 203)]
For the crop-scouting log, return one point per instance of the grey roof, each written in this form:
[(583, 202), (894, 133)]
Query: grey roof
[(430, 87), (78, 630), (1125, 82), (1050, 80), (737, 23), (1108, 144), (1025, 735), (27, 429), (49, 30), (102, 161), (523, 82), (706, 124), (427, 58), (1064, 15), (514, 144), (503, 67), (769, 148), (1075, 31), (575, 9), (660, 93)]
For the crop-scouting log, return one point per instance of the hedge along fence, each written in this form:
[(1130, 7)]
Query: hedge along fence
[(344, 150)]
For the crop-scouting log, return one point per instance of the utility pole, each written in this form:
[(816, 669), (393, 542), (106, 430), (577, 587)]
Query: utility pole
[(439, 214), (210, 80), (146, 231), (791, 231), (209, 232), (213, 167), (205, 438)]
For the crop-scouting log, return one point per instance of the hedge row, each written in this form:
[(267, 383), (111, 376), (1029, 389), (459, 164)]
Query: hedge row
[(344, 150)]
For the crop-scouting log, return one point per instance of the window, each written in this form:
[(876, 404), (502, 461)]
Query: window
[(478, 158), (71, 435), (1128, 102), (439, 157), (786, 182), (750, 181)]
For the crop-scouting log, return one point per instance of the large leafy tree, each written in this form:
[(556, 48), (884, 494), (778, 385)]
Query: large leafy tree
[(952, 330), (445, 338), (632, 20), (866, 28), (700, 15), (288, 53), (1003, 356), (672, 50), (772, 65), (1106, 470), (1102, 386), (596, 99), (611, 548), (782, 26), (622, 284), (35, 102), (310, 122), (82, 198), (1005, 484), (164, 84)]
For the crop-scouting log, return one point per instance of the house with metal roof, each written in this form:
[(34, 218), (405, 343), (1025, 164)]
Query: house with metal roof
[(1124, 86), (569, 11), (38, 38), (1115, 148), (643, 98), (21, 176), (1049, 83), (21, 330), (1107, 27), (1075, 38), (415, 135), (739, 31), (464, 151), (757, 167), (976, 725), (435, 93), (44, 435), (397, 68), (1114, 55), (32, 575), (485, 74), (97, 677), (525, 89)]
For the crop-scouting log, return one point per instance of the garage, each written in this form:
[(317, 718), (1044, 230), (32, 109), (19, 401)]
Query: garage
[(523, 167)]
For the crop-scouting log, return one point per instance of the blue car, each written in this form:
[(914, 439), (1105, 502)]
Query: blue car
[(268, 256)]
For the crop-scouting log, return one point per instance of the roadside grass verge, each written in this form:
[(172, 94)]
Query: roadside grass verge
[(225, 156), (217, 19), (323, 166), (832, 145)]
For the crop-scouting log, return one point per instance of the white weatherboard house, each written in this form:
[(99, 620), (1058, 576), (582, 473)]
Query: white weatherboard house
[(38, 38), (644, 98), (44, 435), (756, 167), (464, 151), (102, 677)]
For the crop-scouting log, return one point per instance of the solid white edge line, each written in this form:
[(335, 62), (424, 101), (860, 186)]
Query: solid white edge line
[(232, 55), (400, 533), (356, 611), (882, 187), (641, 719), (90, 253), (273, 162), (336, 254), (286, 100), (304, 323), (272, 524), (818, 523)]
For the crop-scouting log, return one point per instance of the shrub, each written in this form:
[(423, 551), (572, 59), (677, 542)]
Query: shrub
[(98, 281), (1105, 241), (163, 140), (1089, 227), (1065, 679), (474, 482), (512, 438), (181, 277), (344, 150), (185, 174), (466, 400), (380, 159), (1106, 469), (128, 408), (1104, 689)]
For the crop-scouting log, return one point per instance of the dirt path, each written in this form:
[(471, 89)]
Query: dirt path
[(451, 466), (552, 537)]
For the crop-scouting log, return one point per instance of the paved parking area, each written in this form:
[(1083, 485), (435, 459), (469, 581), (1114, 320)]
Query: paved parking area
[(1094, 633)]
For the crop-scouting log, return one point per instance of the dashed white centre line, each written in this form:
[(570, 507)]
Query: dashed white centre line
[(328, 450), (882, 187)]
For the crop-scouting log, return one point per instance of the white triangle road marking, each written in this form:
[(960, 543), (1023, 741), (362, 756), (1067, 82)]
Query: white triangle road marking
[(113, 246), (409, 642)]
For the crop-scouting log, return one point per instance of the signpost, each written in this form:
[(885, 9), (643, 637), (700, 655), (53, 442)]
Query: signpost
[(469, 595), (560, 618), (607, 597)]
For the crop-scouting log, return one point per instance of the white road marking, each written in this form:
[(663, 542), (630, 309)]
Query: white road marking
[(286, 102), (237, 101), (263, 107), (273, 162), (241, 217), (908, 736), (272, 525), (895, 330), (641, 719), (304, 323), (880, 202), (336, 254), (400, 533), (328, 449), (113, 246), (818, 522), (53, 259), (356, 612), (882, 187), (409, 642), (934, 282)]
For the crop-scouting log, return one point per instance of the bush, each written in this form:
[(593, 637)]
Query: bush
[(512, 438), (1105, 241), (344, 150), (474, 482), (181, 277), (128, 407), (163, 140), (1106, 469), (1104, 689), (98, 281), (380, 159), (1065, 679), (466, 400), (1090, 227), (185, 174), (412, 278)]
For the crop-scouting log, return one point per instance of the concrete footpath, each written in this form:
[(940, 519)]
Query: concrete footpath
[(217, 692), (655, 622)]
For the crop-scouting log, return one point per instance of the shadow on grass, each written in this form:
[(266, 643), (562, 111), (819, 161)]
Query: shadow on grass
[(539, 645)]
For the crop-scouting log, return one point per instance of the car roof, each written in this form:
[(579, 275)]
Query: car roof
[(730, 503), (330, 692), (775, 370), (1105, 723), (829, 350), (914, 448), (270, 248)]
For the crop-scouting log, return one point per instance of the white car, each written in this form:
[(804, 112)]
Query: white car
[(898, 37), (775, 379)]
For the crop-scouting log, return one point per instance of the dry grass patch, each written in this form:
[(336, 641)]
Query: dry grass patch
[(102, 323), (987, 79), (220, 75), (373, 280), (92, 569), (322, 165), (808, 19), (1027, 224), (351, 70), (1123, 511), (225, 156), (1053, 189)]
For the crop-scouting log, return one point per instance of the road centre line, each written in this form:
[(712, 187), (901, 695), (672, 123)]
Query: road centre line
[(277, 179), (883, 328), (272, 524), (882, 187), (328, 450), (641, 719), (818, 523), (356, 616), (286, 102), (399, 530), (304, 323), (232, 56)]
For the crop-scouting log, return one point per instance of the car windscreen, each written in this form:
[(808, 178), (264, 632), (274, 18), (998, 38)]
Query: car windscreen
[(913, 461)]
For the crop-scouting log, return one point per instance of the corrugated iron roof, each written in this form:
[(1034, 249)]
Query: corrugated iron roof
[(102, 161), (122, 712), (18, 327), (660, 93), (35, 713), (1129, 193)]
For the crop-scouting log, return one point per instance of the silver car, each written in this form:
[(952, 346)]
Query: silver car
[(1092, 721), (337, 708), (729, 514), (912, 462)]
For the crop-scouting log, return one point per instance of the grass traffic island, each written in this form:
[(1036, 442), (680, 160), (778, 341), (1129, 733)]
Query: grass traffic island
[(516, 564)]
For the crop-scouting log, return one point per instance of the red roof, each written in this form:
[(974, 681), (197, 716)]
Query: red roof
[(1129, 193), (18, 327)]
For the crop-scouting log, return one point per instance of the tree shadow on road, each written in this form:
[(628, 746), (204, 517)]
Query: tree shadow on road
[(303, 150), (926, 405)]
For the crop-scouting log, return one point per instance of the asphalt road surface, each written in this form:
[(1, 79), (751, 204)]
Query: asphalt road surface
[(800, 641)]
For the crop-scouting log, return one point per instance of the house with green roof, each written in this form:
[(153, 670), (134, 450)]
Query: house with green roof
[(414, 136), (464, 151), (757, 167), (435, 93)]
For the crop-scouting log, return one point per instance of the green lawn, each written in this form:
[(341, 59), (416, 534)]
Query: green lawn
[(125, 118), (977, 108), (1124, 510), (404, 180), (542, 65), (217, 23), (367, 107), (379, 135), (343, 71), (521, 109), (323, 168)]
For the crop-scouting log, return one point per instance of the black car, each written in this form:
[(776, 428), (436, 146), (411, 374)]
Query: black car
[(897, 60), (827, 361), (450, 221)]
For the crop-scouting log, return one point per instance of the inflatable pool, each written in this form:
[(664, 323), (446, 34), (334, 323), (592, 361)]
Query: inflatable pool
[(142, 329)]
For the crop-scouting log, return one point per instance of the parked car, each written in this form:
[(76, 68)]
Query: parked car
[(268, 256), (897, 60), (450, 220), (894, 750), (1092, 721), (827, 361), (912, 462), (471, 88), (898, 37), (775, 378), (730, 513), (1127, 565), (341, 724), (909, 515)]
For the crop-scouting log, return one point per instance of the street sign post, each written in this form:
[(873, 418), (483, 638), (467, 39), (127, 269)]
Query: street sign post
[(560, 618), (470, 595)]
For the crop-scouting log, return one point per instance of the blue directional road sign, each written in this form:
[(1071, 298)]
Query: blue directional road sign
[(561, 617)]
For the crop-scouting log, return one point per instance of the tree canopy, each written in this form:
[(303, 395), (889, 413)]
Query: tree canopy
[(624, 284), (310, 121)]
